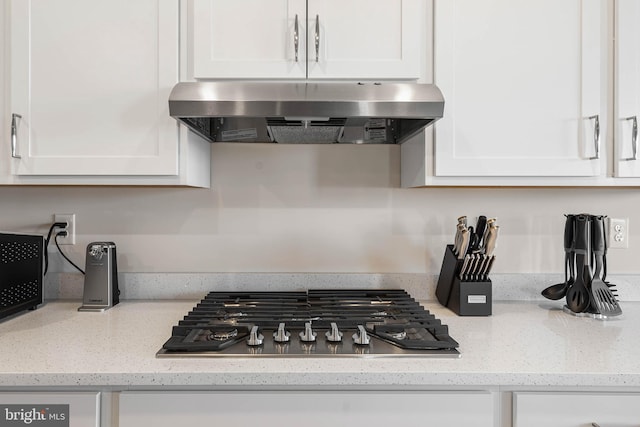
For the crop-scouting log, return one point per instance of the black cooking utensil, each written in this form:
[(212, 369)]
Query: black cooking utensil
[(559, 290), (603, 299), (578, 295)]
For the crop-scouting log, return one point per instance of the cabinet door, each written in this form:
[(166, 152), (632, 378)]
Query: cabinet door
[(5, 161), (575, 409), (627, 92), (521, 80), (90, 80), (365, 39), (50, 408), (307, 408), (249, 39)]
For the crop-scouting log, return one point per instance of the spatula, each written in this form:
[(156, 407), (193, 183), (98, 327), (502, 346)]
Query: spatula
[(603, 299)]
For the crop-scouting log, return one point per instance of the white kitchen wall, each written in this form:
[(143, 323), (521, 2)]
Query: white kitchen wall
[(300, 208)]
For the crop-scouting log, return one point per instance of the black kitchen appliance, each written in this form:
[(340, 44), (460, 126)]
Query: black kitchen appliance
[(21, 272), (314, 323)]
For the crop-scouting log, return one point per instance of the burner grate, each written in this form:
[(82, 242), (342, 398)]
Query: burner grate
[(395, 323)]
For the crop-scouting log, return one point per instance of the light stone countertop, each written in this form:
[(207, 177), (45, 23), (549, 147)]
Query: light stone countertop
[(523, 344)]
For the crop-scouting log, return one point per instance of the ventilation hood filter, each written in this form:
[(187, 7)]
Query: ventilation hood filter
[(306, 112), (310, 135)]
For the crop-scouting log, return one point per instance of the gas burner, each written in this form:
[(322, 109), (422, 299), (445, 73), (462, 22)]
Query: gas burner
[(398, 335), (223, 335), (317, 323)]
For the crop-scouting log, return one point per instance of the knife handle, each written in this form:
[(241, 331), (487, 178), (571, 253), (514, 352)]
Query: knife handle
[(458, 239), (464, 245), (492, 238), (582, 237), (480, 227), (490, 222)]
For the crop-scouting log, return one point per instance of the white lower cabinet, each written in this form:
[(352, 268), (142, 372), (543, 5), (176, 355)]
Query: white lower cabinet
[(327, 408), (575, 409), (307, 408), (80, 409)]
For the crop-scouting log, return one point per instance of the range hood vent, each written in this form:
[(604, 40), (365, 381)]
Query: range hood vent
[(306, 112)]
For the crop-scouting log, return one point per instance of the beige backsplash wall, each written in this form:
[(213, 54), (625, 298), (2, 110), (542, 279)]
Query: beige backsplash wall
[(303, 208)]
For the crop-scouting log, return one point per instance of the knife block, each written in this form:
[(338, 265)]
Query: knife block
[(465, 298)]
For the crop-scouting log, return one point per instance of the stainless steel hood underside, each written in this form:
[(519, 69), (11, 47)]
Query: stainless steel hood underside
[(387, 113)]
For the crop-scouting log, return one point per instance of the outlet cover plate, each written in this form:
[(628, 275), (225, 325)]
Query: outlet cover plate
[(70, 219), (618, 233)]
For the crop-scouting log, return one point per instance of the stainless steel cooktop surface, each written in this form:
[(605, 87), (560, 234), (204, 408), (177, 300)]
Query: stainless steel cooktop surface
[(314, 323)]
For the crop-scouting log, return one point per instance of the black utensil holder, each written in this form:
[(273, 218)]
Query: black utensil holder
[(464, 297)]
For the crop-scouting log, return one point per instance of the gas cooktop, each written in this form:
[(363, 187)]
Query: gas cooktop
[(315, 323)]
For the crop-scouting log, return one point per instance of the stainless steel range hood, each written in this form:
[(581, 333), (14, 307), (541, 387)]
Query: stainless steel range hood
[(369, 113)]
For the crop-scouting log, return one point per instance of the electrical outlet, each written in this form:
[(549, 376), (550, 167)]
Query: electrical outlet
[(70, 219), (618, 233)]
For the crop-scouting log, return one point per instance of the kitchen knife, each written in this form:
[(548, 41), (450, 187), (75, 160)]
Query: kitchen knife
[(464, 245), (492, 238), (482, 271), (458, 239), (479, 266), (479, 232), (464, 268), (462, 224), (470, 267), (476, 267), (486, 230), (456, 242), (492, 258)]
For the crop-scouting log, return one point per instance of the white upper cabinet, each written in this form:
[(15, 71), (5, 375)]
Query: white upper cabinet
[(5, 161), (627, 89), (249, 39), (332, 39), (89, 88), (523, 88), (367, 39)]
